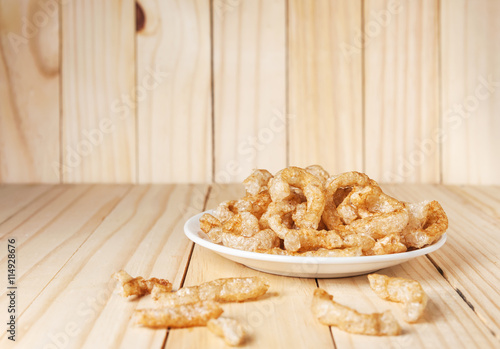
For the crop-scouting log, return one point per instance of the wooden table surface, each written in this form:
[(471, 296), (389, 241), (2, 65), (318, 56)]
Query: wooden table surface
[(70, 239)]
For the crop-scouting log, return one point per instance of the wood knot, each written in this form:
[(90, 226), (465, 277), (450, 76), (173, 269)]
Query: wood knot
[(140, 18)]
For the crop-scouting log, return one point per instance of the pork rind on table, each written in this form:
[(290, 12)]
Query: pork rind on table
[(138, 286), (195, 305), (188, 315), (220, 290), (406, 291), (307, 212), (229, 329), (331, 313)]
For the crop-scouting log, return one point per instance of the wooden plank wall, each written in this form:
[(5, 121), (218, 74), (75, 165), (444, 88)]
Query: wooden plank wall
[(205, 90)]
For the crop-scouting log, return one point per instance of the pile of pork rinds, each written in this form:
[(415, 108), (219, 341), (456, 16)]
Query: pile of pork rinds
[(307, 212)]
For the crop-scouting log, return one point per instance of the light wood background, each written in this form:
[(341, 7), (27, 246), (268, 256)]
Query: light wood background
[(159, 91)]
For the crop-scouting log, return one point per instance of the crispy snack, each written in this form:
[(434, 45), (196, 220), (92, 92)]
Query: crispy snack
[(257, 181), (220, 290), (263, 240), (319, 172), (343, 183), (230, 330), (321, 252), (130, 286), (389, 244), (427, 223), (364, 242), (212, 227), (275, 217), (255, 204), (304, 210), (406, 291), (311, 239), (225, 210), (310, 186), (331, 313), (189, 315)]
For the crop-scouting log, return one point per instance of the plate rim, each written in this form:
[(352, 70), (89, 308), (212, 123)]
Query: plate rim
[(403, 256)]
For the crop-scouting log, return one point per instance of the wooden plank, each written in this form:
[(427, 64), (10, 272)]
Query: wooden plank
[(249, 67), (14, 197), (325, 84), (29, 91), (98, 99), (47, 239), (470, 79), (174, 111), (447, 322), (401, 90), (486, 198), (143, 234), (280, 320), (469, 260)]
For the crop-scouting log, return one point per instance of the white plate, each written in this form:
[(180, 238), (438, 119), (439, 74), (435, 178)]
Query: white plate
[(308, 267)]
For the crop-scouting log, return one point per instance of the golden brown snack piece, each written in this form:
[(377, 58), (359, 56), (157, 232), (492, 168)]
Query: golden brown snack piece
[(321, 252), (406, 291), (427, 223), (389, 244), (263, 240), (257, 181), (211, 226), (275, 217), (225, 210), (189, 315), (319, 172), (341, 183), (230, 330), (364, 242), (255, 204), (310, 239), (138, 286), (220, 290), (279, 188), (330, 313)]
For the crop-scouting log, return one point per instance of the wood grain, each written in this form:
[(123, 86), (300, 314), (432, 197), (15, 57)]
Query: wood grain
[(469, 259), (29, 92), (486, 198), (440, 327), (401, 88), (325, 84), (15, 197), (249, 72), (71, 238), (174, 110), (142, 234), (98, 93), (269, 320), (470, 97)]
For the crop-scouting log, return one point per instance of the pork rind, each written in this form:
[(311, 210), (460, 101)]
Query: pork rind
[(257, 181), (262, 240), (220, 290), (321, 252), (180, 316), (229, 329), (427, 222), (302, 211), (138, 286), (280, 189), (330, 313), (406, 291)]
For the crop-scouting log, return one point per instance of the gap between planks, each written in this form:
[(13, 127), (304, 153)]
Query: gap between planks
[(78, 248)]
